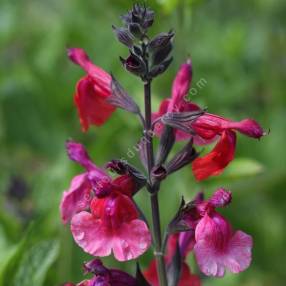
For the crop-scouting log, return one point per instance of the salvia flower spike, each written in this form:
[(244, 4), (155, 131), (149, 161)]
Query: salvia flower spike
[(100, 207)]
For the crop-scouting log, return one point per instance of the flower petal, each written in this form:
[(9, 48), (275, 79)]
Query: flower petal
[(159, 127), (217, 249), (91, 235), (186, 278), (239, 255), (249, 127), (181, 86), (79, 57), (209, 125), (76, 199), (208, 261), (236, 258), (91, 103), (78, 153), (220, 198), (132, 240), (214, 163)]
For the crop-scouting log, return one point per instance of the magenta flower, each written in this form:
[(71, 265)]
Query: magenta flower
[(103, 215), (218, 248), (92, 91), (207, 127), (178, 102), (104, 276)]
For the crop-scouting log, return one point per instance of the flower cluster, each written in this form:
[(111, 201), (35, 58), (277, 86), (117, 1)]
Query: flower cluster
[(99, 205)]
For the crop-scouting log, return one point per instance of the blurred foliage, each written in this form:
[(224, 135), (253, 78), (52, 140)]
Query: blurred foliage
[(237, 47)]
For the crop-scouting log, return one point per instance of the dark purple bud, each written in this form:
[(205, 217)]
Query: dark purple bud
[(127, 18), (120, 278), (161, 40), (136, 30), (149, 19), (124, 168), (182, 158), (186, 217), (161, 54), (137, 51), (181, 120), (121, 99), (141, 146), (140, 15), (134, 64), (95, 266), (161, 68), (167, 141), (158, 173), (179, 223), (220, 198), (99, 281), (123, 36)]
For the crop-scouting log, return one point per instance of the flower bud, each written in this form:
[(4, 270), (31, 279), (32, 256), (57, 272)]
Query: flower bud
[(95, 266), (158, 173), (167, 141), (124, 168), (161, 68), (220, 198), (123, 36), (182, 158), (134, 64), (135, 30), (161, 54), (182, 120), (120, 98), (161, 40)]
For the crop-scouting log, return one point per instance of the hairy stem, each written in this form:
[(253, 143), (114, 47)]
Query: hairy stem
[(157, 239)]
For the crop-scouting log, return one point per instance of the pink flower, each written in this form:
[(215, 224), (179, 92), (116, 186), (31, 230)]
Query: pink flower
[(113, 223), (208, 128), (218, 248), (95, 180), (92, 91)]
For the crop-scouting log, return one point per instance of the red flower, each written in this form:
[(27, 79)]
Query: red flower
[(186, 278), (214, 163), (208, 128), (92, 91)]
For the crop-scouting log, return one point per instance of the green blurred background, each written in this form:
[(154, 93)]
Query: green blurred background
[(238, 47)]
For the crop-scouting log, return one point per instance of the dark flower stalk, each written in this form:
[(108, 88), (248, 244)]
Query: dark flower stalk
[(153, 189)]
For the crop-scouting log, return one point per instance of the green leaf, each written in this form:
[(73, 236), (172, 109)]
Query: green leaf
[(36, 263), (242, 167), (29, 261)]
